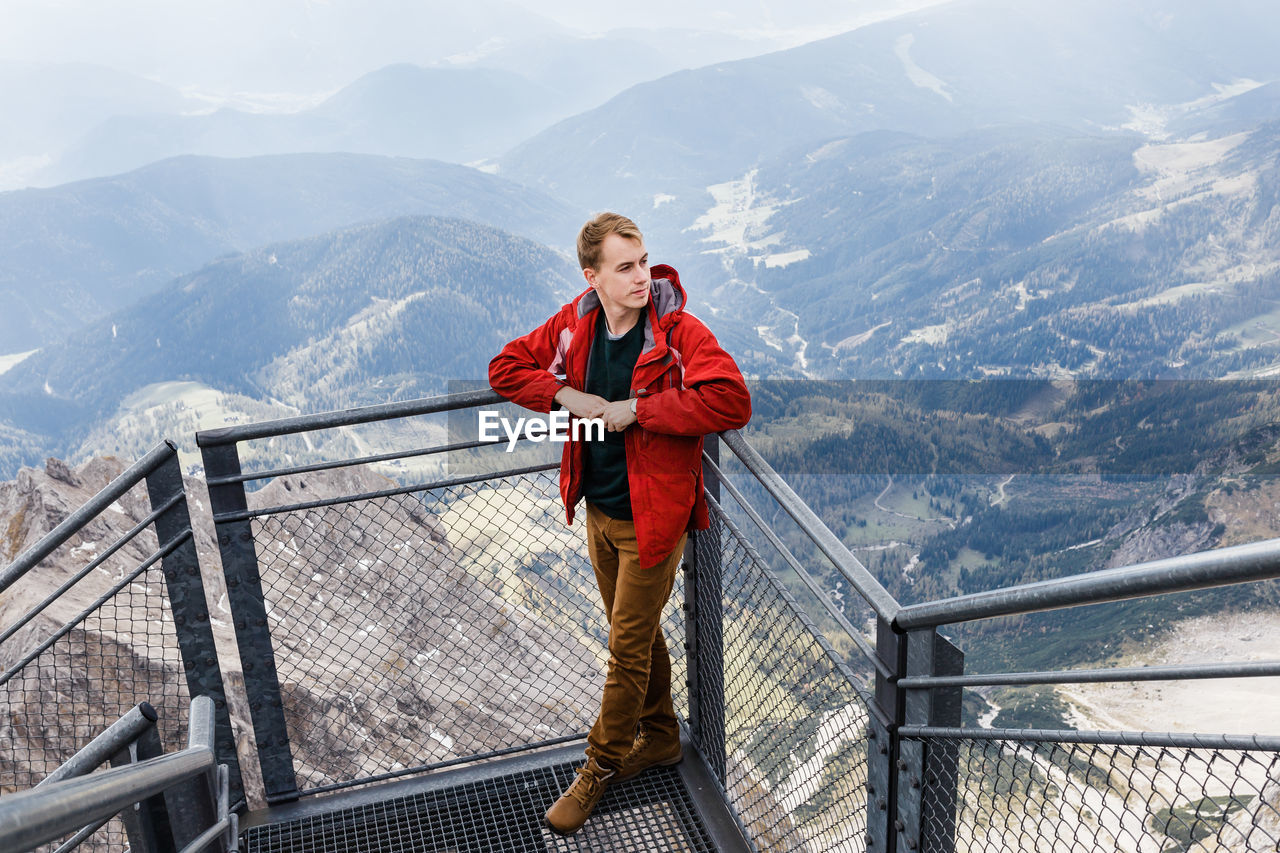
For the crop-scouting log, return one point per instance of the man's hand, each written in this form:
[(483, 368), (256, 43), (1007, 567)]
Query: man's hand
[(617, 416), (580, 403)]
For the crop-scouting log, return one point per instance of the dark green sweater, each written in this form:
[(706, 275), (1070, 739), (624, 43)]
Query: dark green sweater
[(609, 370)]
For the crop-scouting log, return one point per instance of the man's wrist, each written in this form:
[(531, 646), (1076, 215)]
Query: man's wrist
[(634, 401)]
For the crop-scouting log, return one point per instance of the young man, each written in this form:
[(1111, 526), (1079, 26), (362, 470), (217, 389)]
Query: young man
[(626, 352)]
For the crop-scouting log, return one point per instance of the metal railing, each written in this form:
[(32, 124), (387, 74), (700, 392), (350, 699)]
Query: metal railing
[(389, 628), (815, 750), (174, 802), (127, 622), (1089, 790), (456, 619), (937, 786)]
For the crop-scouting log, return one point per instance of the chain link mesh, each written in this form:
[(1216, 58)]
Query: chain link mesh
[(794, 722), (425, 628), (1043, 796), (122, 652)]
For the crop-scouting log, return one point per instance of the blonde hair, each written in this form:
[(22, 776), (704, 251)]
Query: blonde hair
[(592, 235)]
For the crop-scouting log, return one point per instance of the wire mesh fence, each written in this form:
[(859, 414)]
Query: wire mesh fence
[(795, 720), (89, 655), (426, 628), (1051, 796), (417, 630)]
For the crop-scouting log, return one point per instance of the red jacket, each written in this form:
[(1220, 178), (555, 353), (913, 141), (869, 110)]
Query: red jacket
[(686, 385)]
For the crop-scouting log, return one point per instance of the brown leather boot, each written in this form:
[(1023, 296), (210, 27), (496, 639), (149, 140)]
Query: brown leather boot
[(567, 814), (647, 752)]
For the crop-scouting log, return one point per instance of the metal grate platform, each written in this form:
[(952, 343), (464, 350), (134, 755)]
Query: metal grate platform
[(502, 813)]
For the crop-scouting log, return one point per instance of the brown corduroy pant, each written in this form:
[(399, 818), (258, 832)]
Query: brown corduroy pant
[(638, 686)]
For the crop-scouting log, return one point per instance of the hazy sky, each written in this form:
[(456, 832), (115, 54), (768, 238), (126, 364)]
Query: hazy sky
[(310, 45)]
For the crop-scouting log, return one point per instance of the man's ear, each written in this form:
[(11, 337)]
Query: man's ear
[(590, 275)]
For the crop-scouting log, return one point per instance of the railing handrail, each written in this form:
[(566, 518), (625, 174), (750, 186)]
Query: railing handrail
[(98, 751), (347, 417), (113, 491), (1221, 567), (48, 812), (850, 566), (1238, 564), (1169, 672)]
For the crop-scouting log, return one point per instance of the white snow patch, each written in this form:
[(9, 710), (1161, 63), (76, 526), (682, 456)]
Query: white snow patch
[(442, 739), (928, 334), (910, 568), (1181, 158), (893, 543), (916, 74), (737, 220), (1173, 295), (734, 212), (8, 361), (85, 549), (1151, 120), (859, 339), (1023, 296), (826, 151), (771, 336), (782, 259), (1183, 173)]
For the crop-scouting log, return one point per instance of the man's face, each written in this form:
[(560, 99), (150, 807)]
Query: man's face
[(622, 282)]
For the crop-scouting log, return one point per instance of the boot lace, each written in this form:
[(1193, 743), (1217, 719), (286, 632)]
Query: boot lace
[(586, 787)]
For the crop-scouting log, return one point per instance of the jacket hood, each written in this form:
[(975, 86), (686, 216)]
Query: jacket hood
[(665, 295)]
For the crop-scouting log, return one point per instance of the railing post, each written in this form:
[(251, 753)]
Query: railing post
[(882, 741), (253, 633), (929, 823), (192, 805), (704, 629), (147, 823), (190, 609)]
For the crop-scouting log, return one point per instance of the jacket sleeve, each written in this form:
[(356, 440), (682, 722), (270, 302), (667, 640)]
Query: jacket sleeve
[(714, 396), (524, 371)]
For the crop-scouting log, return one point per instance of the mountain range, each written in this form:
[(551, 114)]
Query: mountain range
[(453, 114), (1031, 193), (1090, 65), (393, 309), (1019, 251), (75, 252), (979, 188)]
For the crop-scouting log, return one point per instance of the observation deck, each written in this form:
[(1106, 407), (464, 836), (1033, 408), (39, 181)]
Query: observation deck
[(376, 652)]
